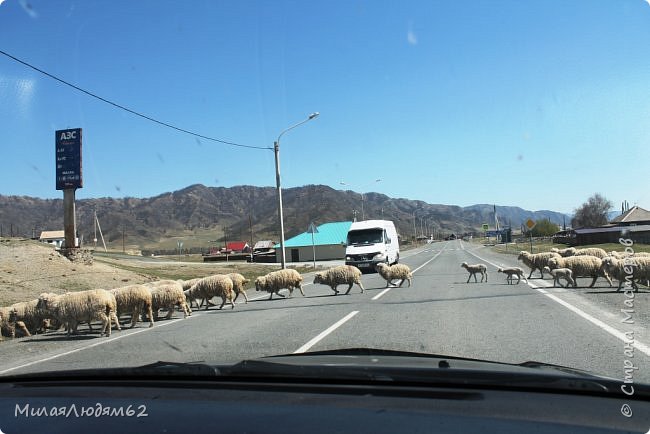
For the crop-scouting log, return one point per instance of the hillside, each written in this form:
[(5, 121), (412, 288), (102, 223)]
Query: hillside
[(203, 216)]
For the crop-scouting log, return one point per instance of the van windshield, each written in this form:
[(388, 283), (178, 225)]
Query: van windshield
[(366, 236)]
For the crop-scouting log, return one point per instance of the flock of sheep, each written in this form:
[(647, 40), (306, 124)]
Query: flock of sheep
[(143, 301), (570, 263)]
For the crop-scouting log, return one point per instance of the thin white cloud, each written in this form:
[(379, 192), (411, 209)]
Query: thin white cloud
[(19, 91), (413, 40), (411, 37)]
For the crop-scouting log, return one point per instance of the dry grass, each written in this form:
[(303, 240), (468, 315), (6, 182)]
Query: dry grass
[(29, 268)]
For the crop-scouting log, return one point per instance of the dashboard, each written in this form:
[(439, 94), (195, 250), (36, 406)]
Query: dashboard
[(172, 405)]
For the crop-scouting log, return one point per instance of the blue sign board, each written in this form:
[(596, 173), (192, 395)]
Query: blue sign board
[(492, 233), (68, 159)]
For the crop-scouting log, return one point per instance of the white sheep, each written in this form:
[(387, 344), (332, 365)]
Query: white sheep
[(569, 251), (393, 272), (113, 318), (513, 271), (618, 255), (274, 281), (187, 284), (474, 270), (217, 285), (8, 323), (84, 306), (16, 324), (591, 251), (28, 312), (561, 273), (536, 261), (581, 266), (341, 275), (238, 285), (639, 268), (166, 294), (134, 299)]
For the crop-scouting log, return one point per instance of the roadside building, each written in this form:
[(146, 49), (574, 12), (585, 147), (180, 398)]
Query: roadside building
[(634, 216), (633, 224), (55, 238), (238, 247), (329, 243)]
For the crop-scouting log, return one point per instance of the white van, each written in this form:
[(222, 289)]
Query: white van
[(370, 242)]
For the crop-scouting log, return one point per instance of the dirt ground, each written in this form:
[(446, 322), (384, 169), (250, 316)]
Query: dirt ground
[(29, 268)]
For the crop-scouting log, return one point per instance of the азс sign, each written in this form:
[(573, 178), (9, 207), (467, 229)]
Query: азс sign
[(68, 159)]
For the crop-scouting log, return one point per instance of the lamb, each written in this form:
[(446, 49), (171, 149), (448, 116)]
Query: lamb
[(238, 282), (167, 294), (581, 266), (392, 272), (512, 271), (561, 273), (74, 307), (212, 286), (274, 281), (341, 275), (474, 269), (536, 261), (640, 268), (134, 299)]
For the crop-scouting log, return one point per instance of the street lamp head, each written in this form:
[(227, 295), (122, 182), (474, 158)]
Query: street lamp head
[(313, 115)]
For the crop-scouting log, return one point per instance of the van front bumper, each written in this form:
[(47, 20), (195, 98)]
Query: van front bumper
[(363, 262)]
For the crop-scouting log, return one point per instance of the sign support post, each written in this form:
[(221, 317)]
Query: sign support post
[(313, 230), (69, 218)]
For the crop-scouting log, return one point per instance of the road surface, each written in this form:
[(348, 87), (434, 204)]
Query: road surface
[(440, 313)]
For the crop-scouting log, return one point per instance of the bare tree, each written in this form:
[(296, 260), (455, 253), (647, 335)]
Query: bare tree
[(592, 213)]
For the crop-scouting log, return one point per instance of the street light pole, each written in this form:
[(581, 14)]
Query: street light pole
[(276, 150)]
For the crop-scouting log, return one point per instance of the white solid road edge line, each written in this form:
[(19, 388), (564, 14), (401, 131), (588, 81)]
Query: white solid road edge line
[(376, 297), (609, 329), (95, 344), (326, 332), (645, 349)]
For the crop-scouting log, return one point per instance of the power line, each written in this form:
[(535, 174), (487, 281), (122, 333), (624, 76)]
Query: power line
[(149, 118)]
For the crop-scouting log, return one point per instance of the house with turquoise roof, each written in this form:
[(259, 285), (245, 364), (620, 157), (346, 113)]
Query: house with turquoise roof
[(329, 241)]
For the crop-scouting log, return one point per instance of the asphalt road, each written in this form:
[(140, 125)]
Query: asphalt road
[(440, 313)]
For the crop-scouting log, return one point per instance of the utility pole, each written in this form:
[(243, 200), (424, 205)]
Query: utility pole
[(123, 237), (415, 231), (250, 226)]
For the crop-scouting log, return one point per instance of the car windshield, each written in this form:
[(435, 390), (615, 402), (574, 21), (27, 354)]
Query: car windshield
[(180, 180), (365, 236)]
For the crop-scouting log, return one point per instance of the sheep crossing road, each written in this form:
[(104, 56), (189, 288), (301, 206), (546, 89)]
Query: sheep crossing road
[(440, 313)]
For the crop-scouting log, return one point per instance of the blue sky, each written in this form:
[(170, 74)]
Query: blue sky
[(535, 104)]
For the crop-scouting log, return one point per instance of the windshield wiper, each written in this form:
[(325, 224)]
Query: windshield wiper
[(429, 370)]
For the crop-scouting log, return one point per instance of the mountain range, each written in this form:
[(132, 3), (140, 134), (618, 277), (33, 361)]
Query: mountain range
[(205, 215)]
